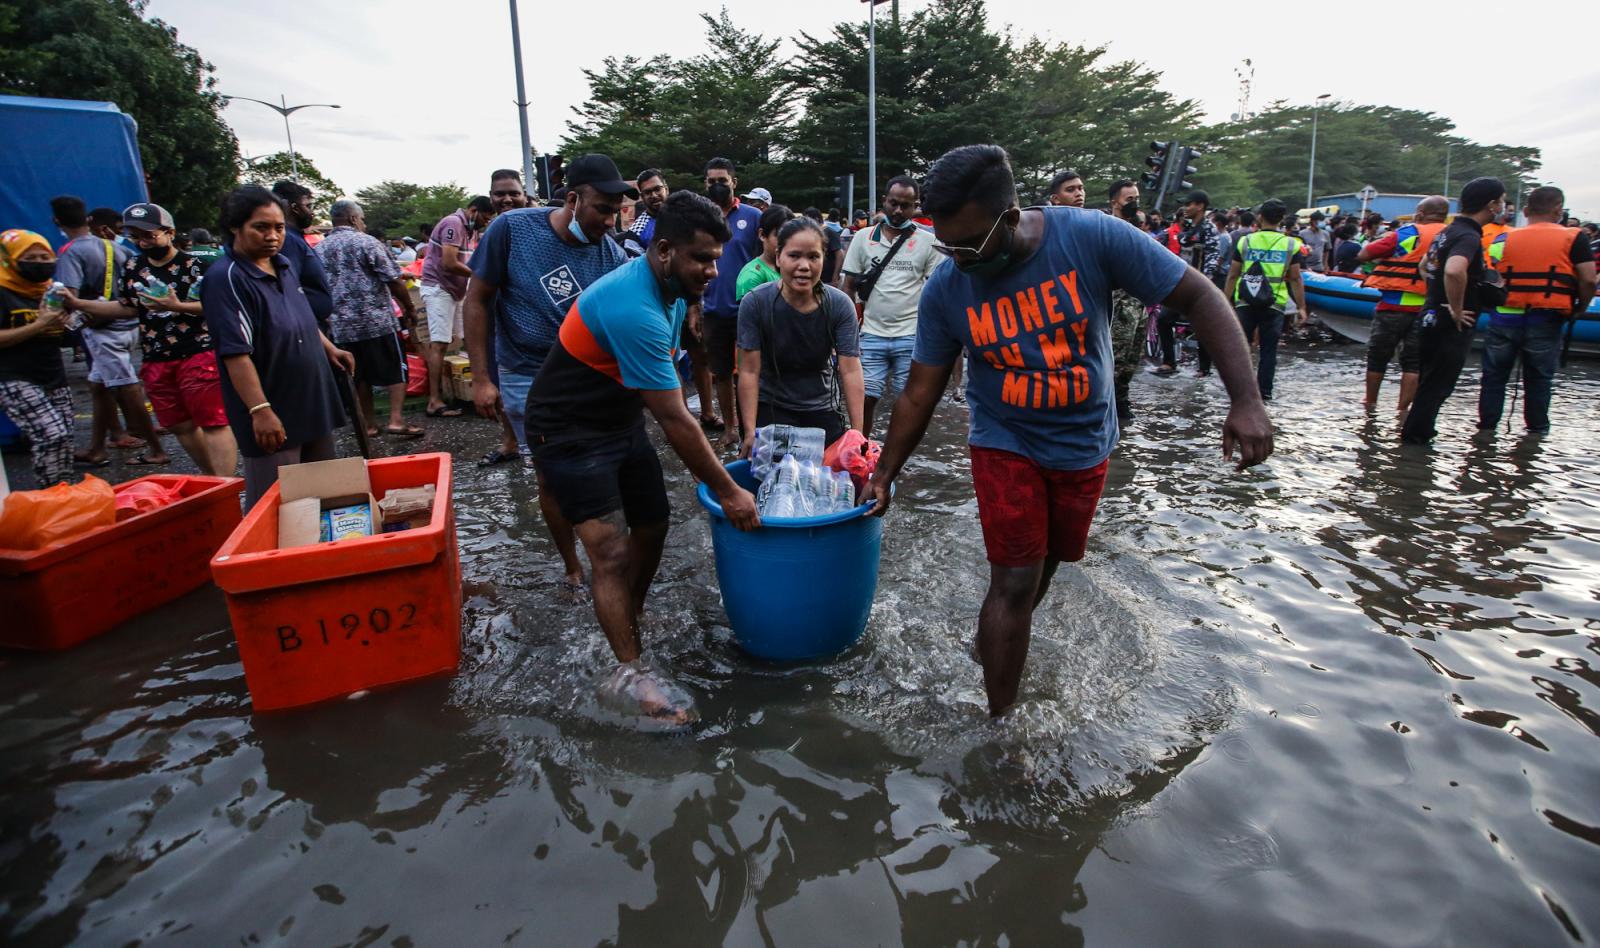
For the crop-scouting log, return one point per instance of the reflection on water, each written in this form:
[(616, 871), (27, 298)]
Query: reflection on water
[(1319, 702)]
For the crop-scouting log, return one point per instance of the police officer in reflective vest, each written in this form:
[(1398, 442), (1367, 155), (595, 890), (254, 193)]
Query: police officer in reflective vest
[(1549, 276), (1394, 274), (1264, 274)]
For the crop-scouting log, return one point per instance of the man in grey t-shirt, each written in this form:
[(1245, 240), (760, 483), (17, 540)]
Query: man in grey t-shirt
[(890, 325), (113, 382)]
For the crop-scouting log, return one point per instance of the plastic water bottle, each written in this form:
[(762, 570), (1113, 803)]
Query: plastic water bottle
[(844, 491), (815, 492), (155, 289), (782, 491), (194, 291), (55, 298)]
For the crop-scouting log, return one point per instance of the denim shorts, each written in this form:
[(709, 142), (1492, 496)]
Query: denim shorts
[(514, 402), (883, 358)]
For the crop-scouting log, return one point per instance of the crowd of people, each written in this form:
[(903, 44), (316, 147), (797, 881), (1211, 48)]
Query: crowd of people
[(621, 296)]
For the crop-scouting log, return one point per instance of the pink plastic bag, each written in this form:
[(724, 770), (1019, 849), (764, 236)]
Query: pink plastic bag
[(143, 497), (853, 453)]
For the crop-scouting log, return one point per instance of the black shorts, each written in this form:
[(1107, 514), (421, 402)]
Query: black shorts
[(721, 336), (378, 361), (591, 477), (1395, 330), (825, 418)]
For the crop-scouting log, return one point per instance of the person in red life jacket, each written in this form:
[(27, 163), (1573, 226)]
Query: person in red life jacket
[(1549, 276), (1026, 296), (1394, 258)]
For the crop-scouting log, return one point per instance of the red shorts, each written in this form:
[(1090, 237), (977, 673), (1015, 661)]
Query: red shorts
[(1029, 512), (187, 389)]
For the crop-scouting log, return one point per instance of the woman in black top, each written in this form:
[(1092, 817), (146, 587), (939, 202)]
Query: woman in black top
[(789, 333), (33, 384)]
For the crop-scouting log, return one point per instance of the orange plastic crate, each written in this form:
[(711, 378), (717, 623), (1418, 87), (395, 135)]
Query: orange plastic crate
[(318, 622), (79, 588)]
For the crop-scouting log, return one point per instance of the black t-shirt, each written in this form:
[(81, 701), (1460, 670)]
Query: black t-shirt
[(166, 335), (38, 360), (797, 348), (1344, 256), (832, 255), (1463, 237)]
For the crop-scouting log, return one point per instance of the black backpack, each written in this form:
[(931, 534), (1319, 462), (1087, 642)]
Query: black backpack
[(1255, 288)]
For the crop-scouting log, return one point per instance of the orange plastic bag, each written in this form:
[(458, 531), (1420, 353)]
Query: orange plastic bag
[(145, 496), (34, 519)]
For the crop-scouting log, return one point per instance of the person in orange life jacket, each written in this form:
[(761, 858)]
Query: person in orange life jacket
[(1026, 296), (1549, 275), (1459, 286), (1394, 257)]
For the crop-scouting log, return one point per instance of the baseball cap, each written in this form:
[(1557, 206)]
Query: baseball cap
[(759, 194), (600, 173), (146, 217)]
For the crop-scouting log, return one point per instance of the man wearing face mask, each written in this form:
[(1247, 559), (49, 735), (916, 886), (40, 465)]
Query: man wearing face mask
[(313, 278), (444, 283), (887, 267), (538, 260), (720, 325), (1128, 315), (1026, 297)]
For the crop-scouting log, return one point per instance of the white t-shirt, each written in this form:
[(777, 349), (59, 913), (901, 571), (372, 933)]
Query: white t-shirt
[(891, 310)]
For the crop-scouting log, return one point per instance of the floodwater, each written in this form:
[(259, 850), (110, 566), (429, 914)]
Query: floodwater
[(1347, 697)]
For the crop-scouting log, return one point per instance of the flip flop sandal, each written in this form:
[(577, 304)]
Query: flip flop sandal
[(712, 422), (497, 457), (85, 462), (406, 431), (443, 412), (139, 460)]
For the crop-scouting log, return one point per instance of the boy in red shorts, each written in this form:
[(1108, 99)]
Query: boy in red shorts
[(1027, 296), (180, 368)]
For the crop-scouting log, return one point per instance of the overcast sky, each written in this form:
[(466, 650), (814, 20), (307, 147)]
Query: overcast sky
[(427, 87)]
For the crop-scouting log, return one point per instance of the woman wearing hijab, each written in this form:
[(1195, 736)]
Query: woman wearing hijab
[(33, 383)]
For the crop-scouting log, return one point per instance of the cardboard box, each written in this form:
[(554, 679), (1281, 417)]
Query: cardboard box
[(458, 389), (306, 490), (459, 367)]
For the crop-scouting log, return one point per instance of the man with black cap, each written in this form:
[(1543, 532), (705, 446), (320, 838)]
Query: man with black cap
[(558, 253), (1455, 272)]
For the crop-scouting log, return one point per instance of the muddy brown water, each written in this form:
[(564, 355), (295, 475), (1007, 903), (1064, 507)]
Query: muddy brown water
[(1348, 697)]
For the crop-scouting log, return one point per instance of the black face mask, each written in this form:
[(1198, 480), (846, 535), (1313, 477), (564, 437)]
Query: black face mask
[(720, 193), (36, 271)]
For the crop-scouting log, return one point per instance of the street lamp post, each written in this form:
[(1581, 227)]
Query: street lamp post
[(1311, 174), (283, 108), (522, 100), (872, 109), (1448, 147)]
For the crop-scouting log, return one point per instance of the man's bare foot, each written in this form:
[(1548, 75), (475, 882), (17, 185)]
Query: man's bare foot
[(636, 690)]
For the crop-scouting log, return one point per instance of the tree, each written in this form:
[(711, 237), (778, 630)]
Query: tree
[(732, 101), (270, 169), (401, 209), (105, 50)]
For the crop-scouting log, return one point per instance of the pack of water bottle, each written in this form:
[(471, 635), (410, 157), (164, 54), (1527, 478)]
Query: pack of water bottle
[(773, 443), (794, 481)]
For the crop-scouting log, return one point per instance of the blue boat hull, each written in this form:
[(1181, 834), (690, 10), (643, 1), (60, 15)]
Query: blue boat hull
[(1347, 307)]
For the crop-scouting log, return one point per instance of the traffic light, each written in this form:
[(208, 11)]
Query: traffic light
[(841, 192), (1160, 154), (1185, 168), (551, 172)]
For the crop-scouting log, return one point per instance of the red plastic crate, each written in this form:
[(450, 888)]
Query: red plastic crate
[(318, 622), (79, 588)]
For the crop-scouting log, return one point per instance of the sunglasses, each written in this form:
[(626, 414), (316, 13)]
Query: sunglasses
[(971, 253)]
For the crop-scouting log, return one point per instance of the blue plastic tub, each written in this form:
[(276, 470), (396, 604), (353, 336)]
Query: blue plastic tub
[(800, 588)]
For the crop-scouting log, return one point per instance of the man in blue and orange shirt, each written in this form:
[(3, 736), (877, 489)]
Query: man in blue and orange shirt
[(612, 359)]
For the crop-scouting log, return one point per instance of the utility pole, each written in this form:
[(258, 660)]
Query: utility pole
[(283, 108), (1311, 175), (1447, 149), (522, 100)]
